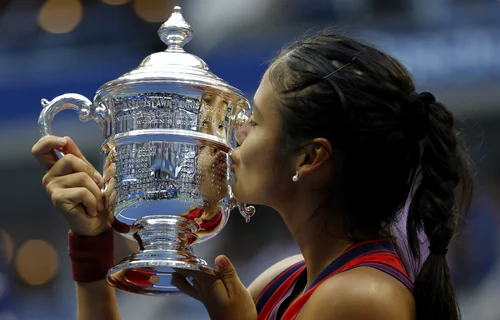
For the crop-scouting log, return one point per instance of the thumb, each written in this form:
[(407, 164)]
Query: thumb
[(228, 274)]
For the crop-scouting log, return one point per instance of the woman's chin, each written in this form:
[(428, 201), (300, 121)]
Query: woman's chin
[(236, 188), (240, 193)]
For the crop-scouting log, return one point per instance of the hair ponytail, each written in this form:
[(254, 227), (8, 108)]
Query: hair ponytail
[(443, 193)]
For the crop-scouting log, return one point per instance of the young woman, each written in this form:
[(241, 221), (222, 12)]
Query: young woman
[(339, 144)]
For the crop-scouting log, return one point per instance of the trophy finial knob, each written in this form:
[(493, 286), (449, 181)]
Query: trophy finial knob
[(175, 32)]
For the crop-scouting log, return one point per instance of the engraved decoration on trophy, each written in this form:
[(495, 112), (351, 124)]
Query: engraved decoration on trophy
[(169, 127)]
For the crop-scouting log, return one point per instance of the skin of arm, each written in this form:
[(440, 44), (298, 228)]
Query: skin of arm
[(96, 301), (256, 287)]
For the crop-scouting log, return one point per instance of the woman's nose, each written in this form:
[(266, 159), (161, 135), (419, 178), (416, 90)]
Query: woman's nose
[(240, 134)]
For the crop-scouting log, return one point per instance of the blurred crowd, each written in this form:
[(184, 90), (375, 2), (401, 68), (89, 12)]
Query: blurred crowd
[(50, 47)]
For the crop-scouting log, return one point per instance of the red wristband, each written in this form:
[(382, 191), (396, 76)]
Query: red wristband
[(91, 256)]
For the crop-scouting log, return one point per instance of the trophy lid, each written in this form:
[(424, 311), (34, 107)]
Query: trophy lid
[(174, 65)]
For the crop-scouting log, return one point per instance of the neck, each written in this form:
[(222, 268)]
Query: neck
[(319, 235)]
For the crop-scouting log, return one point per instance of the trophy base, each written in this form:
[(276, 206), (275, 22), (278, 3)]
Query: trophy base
[(164, 243), (150, 273)]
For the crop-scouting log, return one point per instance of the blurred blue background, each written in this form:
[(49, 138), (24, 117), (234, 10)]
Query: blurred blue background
[(51, 47)]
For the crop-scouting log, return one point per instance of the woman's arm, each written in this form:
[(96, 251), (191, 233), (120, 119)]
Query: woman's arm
[(74, 187), (256, 287), (96, 301)]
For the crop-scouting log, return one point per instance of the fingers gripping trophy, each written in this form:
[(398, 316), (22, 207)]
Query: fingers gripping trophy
[(168, 128)]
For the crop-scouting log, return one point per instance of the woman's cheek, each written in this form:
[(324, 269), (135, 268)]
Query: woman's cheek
[(246, 153)]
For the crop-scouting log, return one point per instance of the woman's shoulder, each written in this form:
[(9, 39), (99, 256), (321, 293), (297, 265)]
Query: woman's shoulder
[(256, 287), (360, 293)]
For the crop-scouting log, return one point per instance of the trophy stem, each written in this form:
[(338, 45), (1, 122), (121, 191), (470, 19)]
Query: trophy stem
[(165, 233), (164, 245)]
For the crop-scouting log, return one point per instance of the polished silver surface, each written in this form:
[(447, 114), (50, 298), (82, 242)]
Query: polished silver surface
[(168, 130)]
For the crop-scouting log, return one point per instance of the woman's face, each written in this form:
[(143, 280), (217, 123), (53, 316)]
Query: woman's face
[(262, 176)]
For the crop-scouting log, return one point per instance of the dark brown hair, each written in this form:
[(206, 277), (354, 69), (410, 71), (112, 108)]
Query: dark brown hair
[(362, 101)]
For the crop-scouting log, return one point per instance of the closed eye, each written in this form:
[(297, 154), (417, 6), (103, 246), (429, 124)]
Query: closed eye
[(251, 121)]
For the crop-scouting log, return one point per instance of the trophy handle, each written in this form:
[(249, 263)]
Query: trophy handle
[(246, 211), (69, 101)]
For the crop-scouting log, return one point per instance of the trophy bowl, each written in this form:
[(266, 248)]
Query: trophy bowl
[(168, 128)]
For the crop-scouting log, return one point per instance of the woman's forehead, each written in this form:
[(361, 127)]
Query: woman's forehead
[(265, 93)]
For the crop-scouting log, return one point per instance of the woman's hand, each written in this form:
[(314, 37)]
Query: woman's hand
[(73, 185), (224, 297)]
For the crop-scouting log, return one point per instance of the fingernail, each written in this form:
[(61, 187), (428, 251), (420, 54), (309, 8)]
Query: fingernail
[(93, 213), (61, 141), (97, 177), (222, 262)]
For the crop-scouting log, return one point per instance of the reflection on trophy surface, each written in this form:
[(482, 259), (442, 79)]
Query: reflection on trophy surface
[(168, 126), (212, 166)]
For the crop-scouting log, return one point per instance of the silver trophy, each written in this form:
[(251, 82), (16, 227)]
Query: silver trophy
[(169, 126)]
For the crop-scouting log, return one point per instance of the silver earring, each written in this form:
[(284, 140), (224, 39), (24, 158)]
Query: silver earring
[(295, 178)]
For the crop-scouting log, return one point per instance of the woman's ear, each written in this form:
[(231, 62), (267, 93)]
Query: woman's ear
[(314, 156)]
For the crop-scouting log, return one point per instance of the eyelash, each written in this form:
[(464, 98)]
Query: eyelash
[(251, 121)]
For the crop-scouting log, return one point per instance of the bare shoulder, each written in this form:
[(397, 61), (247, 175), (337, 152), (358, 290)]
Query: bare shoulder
[(361, 293), (256, 287)]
